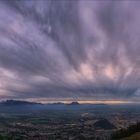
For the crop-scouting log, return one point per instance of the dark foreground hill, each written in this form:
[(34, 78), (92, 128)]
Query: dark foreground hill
[(133, 137), (131, 132)]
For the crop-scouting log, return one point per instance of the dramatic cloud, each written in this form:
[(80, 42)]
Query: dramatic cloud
[(70, 49)]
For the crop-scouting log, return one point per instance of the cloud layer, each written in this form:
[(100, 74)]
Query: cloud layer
[(70, 49)]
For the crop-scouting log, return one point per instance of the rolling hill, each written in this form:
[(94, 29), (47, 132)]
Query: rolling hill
[(104, 124), (133, 137)]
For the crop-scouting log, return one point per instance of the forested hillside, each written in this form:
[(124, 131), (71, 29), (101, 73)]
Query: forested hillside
[(128, 132)]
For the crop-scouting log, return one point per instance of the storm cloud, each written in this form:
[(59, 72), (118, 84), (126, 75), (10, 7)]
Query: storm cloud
[(70, 49)]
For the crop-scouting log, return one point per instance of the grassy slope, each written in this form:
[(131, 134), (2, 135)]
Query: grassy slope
[(133, 137)]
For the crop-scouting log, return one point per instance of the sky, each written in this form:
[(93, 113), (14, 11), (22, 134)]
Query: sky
[(70, 50)]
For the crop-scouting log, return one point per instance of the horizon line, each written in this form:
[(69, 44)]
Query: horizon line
[(79, 101)]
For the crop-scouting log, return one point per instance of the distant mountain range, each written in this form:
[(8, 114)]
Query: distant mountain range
[(17, 102), (18, 106)]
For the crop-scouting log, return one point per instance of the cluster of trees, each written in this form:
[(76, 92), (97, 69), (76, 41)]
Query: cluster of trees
[(132, 129)]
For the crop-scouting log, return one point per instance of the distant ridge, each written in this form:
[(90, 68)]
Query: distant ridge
[(22, 102), (17, 102), (57, 103)]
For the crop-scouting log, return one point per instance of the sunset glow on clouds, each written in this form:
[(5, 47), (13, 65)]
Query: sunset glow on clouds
[(70, 49)]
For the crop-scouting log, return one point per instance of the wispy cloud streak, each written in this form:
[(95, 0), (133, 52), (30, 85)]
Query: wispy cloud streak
[(70, 49)]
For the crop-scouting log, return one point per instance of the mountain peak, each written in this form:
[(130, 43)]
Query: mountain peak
[(74, 103)]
